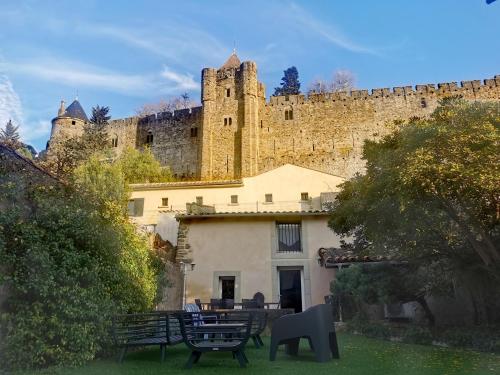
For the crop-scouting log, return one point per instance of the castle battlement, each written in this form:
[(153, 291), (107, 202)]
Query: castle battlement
[(421, 90), (238, 133)]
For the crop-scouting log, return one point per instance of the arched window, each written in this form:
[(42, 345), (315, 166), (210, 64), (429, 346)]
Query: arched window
[(149, 138), (289, 114), (423, 103), (114, 141)]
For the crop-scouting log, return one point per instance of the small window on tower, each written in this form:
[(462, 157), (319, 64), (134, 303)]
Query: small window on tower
[(73, 122), (423, 103), (230, 120), (225, 121), (194, 132), (114, 142), (228, 93)]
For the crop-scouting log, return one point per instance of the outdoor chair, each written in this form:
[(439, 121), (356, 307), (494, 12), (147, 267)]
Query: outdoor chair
[(259, 298), (229, 333), (197, 301), (215, 303), (316, 324), (132, 330), (259, 323), (249, 304), (227, 303)]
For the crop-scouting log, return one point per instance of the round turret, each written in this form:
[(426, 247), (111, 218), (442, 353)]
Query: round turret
[(68, 123)]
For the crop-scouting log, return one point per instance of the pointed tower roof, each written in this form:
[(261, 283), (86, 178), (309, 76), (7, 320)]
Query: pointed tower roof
[(232, 62), (75, 110)]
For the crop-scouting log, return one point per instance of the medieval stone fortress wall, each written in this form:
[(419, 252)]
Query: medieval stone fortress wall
[(238, 133)]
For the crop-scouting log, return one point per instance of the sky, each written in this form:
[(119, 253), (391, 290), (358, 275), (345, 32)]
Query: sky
[(124, 54)]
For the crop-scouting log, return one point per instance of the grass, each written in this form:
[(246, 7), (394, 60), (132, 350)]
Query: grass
[(359, 355)]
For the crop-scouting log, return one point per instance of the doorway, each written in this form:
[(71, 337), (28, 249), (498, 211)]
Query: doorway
[(291, 289), (226, 286)]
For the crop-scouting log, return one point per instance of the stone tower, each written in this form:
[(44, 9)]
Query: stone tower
[(229, 136), (68, 123)]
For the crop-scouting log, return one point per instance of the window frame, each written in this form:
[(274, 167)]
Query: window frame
[(286, 231), (266, 196)]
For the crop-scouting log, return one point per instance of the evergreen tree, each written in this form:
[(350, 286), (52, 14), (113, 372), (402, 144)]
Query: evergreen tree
[(290, 84), (100, 116), (9, 135)]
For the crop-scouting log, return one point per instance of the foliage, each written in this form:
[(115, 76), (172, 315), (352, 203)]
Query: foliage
[(9, 135), (100, 116), (141, 167), (290, 84), (387, 283), (70, 259), (431, 196)]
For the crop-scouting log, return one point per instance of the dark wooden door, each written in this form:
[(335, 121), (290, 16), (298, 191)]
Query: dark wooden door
[(291, 289)]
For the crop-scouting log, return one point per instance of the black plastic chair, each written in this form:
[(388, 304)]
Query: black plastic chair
[(215, 303), (249, 304), (259, 324), (259, 298), (227, 303), (316, 324), (229, 333)]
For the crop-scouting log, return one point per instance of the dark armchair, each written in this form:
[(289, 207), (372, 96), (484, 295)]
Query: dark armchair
[(316, 324)]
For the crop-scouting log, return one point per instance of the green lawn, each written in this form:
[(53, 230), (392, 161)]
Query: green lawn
[(359, 355)]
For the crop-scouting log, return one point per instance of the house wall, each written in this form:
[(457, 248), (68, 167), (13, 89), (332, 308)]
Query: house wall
[(285, 183), (246, 248)]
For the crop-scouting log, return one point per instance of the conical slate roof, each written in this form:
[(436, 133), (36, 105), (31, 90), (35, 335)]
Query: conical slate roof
[(232, 62), (75, 110)]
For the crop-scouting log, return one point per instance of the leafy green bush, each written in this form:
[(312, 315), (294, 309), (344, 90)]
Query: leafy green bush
[(417, 335), (68, 262)]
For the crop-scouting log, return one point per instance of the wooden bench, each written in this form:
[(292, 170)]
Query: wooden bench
[(228, 333), (158, 328)]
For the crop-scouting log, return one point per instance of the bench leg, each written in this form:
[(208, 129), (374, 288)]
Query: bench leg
[(260, 340), (163, 349), (240, 358), (256, 342), (244, 355), (193, 358), (122, 354)]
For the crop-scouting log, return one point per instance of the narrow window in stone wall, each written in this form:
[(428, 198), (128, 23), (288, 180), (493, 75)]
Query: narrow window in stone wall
[(269, 198), (199, 201), (73, 122), (230, 120), (286, 114), (149, 138), (225, 120), (194, 132), (304, 196), (234, 199), (423, 103), (228, 93), (114, 142), (164, 202)]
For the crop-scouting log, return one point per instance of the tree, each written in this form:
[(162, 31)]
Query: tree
[(431, 195), (166, 105), (343, 80), (142, 167), (290, 84), (100, 116), (9, 136)]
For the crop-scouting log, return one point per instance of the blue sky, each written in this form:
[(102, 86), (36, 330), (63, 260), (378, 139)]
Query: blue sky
[(123, 54)]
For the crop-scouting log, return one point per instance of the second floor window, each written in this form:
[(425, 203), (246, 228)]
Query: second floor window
[(268, 198), (234, 199), (164, 202), (304, 196), (289, 237), (199, 201)]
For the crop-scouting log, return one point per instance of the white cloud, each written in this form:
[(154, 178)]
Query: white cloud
[(37, 131), (307, 22), (10, 103), (76, 74), (183, 81)]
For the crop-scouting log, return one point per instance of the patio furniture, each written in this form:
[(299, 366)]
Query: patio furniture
[(151, 329), (259, 323), (316, 324), (197, 301), (249, 304), (259, 298), (229, 333), (215, 303), (227, 303)]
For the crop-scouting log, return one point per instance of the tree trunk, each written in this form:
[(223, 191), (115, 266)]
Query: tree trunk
[(427, 311)]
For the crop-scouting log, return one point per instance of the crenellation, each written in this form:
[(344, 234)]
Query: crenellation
[(237, 133)]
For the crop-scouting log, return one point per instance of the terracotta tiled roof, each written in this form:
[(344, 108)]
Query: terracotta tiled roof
[(332, 257)]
